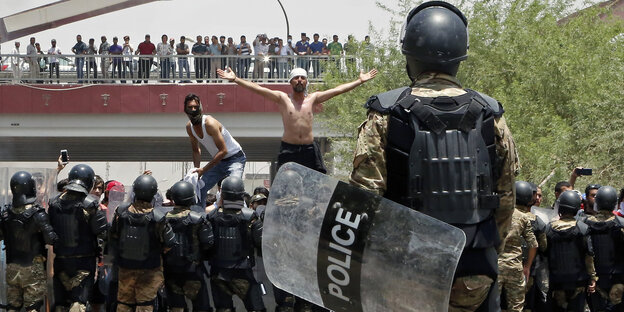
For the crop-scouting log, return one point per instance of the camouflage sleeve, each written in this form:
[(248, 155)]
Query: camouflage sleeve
[(541, 241), (528, 234), (369, 161), (508, 165)]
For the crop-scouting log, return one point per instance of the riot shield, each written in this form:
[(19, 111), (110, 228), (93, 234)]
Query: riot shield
[(347, 249), (545, 214), (116, 196)]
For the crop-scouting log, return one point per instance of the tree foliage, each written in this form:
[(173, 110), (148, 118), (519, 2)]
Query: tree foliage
[(559, 77)]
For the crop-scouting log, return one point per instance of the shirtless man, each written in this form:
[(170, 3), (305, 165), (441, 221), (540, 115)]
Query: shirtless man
[(228, 157), (297, 113)]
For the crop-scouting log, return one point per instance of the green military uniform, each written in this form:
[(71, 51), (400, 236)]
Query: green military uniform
[(510, 264), (563, 297), (370, 172), (539, 261)]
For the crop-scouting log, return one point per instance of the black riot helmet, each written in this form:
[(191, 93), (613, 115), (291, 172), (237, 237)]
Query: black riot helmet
[(569, 202), (606, 198), (232, 188), (144, 188), (434, 39), (23, 188), (524, 193), (183, 193), (81, 179)]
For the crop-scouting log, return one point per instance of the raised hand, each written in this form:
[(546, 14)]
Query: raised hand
[(226, 74), (364, 77)]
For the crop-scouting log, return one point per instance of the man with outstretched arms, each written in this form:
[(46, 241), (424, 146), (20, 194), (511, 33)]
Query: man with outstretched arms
[(183, 266), (81, 229), (607, 236), (139, 235), (443, 150), (228, 157), (297, 111), (25, 229)]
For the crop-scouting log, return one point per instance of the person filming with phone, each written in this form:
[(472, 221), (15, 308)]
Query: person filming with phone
[(590, 190)]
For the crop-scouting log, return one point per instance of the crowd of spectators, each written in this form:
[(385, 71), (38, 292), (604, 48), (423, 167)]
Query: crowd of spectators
[(272, 58)]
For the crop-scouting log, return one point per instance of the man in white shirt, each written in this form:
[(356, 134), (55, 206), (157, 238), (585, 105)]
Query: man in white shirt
[(16, 63), (164, 52), (54, 62), (261, 49), (33, 65), (228, 157)]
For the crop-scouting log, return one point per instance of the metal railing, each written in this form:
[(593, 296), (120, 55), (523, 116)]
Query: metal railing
[(87, 69)]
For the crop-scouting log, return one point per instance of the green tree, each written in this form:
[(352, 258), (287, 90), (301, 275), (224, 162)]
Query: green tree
[(559, 77)]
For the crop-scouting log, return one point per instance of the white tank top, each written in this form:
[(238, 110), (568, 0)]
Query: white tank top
[(208, 142)]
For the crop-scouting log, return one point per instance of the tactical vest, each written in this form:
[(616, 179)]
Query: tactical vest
[(75, 235), (608, 246), (139, 243), (185, 252), (441, 160), (233, 242), (566, 257), (22, 235)]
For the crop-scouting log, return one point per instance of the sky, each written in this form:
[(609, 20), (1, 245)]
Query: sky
[(208, 17)]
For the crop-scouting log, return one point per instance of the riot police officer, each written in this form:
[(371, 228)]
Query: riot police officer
[(570, 257), (237, 232), (139, 235), (81, 229), (443, 150), (25, 229), (607, 237), (183, 265)]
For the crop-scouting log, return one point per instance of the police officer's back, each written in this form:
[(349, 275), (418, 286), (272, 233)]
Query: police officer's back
[(183, 266), (606, 231), (570, 256), (237, 232), (139, 235), (25, 229), (81, 229), (441, 149)]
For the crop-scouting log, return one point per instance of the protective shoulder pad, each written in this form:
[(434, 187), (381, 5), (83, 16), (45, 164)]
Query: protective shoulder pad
[(539, 225), (493, 104), (90, 201), (195, 217), (248, 213), (158, 214), (123, 208), (212, 213), (32, 210), (583, 227), (619, 221), (383, 102)]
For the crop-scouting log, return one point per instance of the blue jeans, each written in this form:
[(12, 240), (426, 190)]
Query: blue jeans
[(80, 67), (184, 65), (233, 165), (165, 67)]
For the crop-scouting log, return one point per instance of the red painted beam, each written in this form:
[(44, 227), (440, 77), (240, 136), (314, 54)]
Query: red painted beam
[(130, 99)]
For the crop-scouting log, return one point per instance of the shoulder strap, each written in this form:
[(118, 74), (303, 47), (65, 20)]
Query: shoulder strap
[(383, 102), (89, 201), (582, 226), (491, 103), (247, 213), (158, 215), (195, 217)]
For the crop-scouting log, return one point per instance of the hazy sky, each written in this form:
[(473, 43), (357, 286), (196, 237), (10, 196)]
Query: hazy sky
[(208, 17)]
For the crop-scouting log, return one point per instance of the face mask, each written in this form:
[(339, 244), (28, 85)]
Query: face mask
[(194, 116)]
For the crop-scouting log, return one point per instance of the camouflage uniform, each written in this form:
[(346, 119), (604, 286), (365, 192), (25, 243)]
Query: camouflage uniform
[(570, 299), (539, 271), (370, 172), (510, 264), (137, 287), (615, 293)]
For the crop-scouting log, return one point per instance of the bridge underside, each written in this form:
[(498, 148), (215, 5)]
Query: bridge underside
[(33, 149)]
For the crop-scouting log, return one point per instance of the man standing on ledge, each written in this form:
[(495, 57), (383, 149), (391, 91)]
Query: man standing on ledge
[(227, 156), (297, 113)]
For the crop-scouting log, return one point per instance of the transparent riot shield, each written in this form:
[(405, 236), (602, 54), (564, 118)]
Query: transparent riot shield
[(116, 196), (546, 214), (350, 250), (46, 189)]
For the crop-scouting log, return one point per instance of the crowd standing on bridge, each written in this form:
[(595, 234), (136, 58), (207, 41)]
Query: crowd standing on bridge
[(273, 58), (142, 256)]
